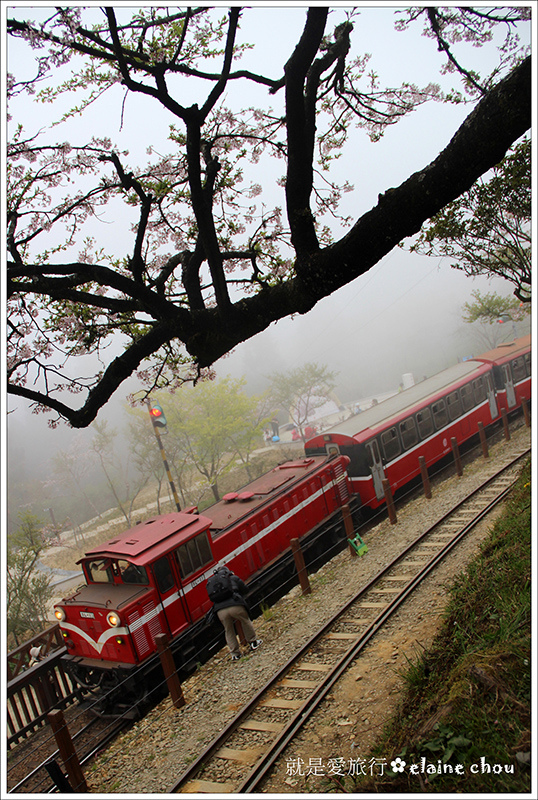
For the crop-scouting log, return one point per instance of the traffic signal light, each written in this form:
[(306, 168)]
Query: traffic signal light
[(157, 416)]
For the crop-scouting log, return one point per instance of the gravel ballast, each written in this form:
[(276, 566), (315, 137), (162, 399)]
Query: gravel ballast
[(151, 756)]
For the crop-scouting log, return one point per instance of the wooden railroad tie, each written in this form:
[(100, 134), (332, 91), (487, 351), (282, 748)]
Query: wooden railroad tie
[(296, 684), (281, 702), (258, 725), (207, 787), (243, 756)]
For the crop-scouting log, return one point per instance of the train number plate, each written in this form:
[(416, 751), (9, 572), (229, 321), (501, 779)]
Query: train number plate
[(87, 614)]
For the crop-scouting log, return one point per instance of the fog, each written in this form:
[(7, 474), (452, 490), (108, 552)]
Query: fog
[(403, 316)]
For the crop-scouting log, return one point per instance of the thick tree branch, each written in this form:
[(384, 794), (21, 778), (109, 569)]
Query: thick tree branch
[(301, 135), (500, 118)]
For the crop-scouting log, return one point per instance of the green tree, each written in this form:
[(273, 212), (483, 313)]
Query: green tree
[(301, 391), (28, 589), (200, 263), (492, 311), (488, 229), (214, 422)]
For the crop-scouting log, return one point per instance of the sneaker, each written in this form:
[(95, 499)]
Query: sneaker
[(236, 658), (255, 644)]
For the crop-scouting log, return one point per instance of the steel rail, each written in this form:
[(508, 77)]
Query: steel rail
[(266, 762), (110, 734), (311, 703)]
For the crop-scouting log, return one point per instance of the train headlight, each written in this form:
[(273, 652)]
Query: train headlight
[(59, 613), (113, 619)]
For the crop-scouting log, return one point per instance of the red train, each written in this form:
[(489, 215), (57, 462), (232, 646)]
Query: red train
[(385, 441), (151, 579)]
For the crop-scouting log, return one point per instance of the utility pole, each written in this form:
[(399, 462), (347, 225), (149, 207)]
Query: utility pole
[(158, 420)]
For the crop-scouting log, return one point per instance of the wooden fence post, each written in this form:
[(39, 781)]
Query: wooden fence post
[(60, 781), (348, 525), (505, 425), (300, 565), (526, 414), (390, 502), (67, 751), (483, 440), (169, 669), (457, 457), (425, 478)]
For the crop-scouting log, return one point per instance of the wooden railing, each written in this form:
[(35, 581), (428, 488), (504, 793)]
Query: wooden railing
[(18, 659), (35, 691)]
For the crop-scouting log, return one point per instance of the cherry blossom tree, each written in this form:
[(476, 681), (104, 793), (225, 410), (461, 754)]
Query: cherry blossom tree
[(200, 262), (487, 231)]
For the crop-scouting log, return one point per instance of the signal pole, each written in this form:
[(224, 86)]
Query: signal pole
[(158, 420)]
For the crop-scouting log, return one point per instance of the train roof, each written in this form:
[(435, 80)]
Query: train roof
[(163, 533), (507, 350), (404, 401), (236, 505), (156, 534)]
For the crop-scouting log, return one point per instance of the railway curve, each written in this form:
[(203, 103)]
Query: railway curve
[(318, 665), (166, 740)]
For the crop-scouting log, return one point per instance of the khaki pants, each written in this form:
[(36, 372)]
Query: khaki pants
[(227, 617)]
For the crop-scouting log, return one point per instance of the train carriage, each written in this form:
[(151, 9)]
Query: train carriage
[(151, 579), (384, 441), (511, 365)]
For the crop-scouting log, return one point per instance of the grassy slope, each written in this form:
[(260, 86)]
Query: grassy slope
[(468, 697)]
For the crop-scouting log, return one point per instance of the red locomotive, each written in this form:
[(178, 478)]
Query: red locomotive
[(151, 579), (385, 441)]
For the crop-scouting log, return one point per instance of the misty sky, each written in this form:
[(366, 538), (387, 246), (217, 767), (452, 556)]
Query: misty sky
[(404, 315)]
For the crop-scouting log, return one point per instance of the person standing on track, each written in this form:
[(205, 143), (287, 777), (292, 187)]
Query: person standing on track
[(226, 591)]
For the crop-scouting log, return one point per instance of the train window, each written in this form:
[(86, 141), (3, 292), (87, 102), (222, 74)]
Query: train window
[(479, 390), (132, 573), (518, 369), (408, 432), (527, 359), (194, 554), (467, 399), (100, 570), (163, 574), (390, 444), (453, 403), (425, 423), (440, 417)]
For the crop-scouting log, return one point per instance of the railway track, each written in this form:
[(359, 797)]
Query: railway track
[(243, 754), (90, 735)]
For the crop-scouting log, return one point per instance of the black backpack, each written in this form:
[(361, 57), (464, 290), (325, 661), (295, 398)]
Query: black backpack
[(219, 586)]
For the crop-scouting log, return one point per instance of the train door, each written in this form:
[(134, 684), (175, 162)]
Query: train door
[(376, 467), (172, 599), (492, 399), (509, 386)]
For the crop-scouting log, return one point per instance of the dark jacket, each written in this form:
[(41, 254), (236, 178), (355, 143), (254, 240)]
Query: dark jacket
[(237, 598)]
